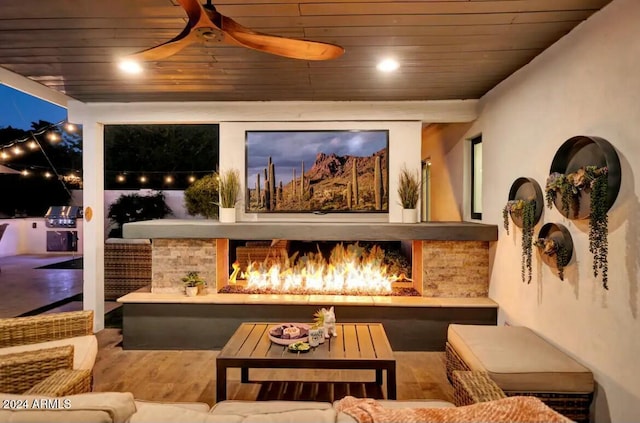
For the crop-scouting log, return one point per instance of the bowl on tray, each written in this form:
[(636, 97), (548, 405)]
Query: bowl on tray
[(289, 333)]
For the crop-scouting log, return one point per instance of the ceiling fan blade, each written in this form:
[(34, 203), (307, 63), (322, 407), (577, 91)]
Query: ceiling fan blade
[(206, 25), (281, 46), (196, 19), (162, 51)]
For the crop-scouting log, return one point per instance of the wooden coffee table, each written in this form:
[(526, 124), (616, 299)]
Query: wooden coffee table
[(357, 346)]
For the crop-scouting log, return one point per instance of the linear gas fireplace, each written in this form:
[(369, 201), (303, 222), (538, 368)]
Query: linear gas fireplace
[(432, 260), (320, 267)]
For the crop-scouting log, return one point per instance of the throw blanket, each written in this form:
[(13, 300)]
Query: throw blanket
[(507, 410)]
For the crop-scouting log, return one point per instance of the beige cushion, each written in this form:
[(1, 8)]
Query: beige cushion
[(85, 349), (127, 241), (297, 416), (149, 412), (245, 408), (104, 407), (518, 360), (193, 406)]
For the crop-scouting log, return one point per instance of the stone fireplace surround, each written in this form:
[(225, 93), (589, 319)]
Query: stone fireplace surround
[(450, 270)]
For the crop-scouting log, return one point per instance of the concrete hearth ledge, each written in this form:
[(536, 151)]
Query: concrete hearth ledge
[(319, 231), (145, 296)]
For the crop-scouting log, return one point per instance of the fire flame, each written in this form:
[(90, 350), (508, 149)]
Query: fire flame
[(350, 269)]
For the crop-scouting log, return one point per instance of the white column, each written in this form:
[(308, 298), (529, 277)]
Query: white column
[(93, 192)]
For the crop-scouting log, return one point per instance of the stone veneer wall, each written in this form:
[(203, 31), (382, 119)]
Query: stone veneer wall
[(171, 259), (455, 268)]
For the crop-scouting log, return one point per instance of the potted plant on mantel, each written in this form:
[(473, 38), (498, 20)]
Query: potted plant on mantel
[(192, 283), (229, 189), (409, 193), (571, 188)]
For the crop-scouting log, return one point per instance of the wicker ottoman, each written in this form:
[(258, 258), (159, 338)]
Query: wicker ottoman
[(127, 266), (522, 363)]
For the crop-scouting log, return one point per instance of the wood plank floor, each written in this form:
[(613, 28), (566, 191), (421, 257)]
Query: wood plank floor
[(190, 375)]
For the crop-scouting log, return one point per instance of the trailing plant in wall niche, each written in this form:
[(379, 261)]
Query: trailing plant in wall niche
[(512, 207), (591, 179), (558, 184), (598, 223), (552, 248), (525, 210)]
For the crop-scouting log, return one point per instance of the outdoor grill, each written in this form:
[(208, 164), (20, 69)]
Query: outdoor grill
[(62, 216)]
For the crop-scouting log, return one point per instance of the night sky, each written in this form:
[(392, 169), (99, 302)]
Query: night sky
[(289, 148), (18, 109)]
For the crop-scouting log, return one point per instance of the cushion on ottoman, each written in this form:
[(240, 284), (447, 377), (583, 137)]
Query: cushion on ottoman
[(518, 360)]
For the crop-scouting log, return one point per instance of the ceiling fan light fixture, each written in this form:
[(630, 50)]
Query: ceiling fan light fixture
[(130, 66), (388, 65)]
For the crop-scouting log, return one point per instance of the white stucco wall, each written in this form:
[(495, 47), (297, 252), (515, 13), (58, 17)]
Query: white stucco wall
[(586, 84), (21, 237)]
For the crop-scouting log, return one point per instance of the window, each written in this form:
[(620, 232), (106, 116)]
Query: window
[(476, 177)]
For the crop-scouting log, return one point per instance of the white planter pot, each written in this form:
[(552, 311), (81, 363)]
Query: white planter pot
[(227, 215), (409, 215), (191, 291)]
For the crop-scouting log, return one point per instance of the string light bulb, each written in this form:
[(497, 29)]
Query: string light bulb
[(121, 178), (17, 150), (4, 155), (32, 145), (168, 179), (70, 127), (24, 172), (48, 175), (143, 179), (192, 179), (53, 137)]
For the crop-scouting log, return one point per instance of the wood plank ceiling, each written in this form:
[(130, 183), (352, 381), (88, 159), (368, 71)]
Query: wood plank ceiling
[(450, 49)]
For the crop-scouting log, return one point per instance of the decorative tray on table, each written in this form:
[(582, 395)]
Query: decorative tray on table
[(289, 333)]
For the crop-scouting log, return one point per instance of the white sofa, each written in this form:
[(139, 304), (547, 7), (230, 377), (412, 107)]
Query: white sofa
[(120, 407), (486, 403)]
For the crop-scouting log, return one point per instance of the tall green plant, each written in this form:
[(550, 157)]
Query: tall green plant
[(200, 198), (408, 189), (229, 188), (135, 207)]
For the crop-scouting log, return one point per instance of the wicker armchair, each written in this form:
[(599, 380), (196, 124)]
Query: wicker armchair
[(48, 369)]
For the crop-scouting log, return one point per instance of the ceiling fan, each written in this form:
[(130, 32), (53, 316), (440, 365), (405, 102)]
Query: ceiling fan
[(206, 24)]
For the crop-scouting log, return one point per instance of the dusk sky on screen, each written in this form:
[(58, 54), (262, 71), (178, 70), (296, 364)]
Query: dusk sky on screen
[(19, 109)]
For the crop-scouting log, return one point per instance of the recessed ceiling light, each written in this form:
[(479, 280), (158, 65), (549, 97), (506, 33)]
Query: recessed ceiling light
[(130, 66), (388, 65)]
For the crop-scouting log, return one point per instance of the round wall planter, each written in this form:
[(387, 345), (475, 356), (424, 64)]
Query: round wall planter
[(560, 234), (526, 189), (581, 151)]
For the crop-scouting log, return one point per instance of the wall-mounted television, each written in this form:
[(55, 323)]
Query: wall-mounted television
[(324, 171)]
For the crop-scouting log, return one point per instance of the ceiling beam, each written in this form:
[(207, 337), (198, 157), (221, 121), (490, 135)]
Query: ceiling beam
[(290, 111), (33, 88)]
